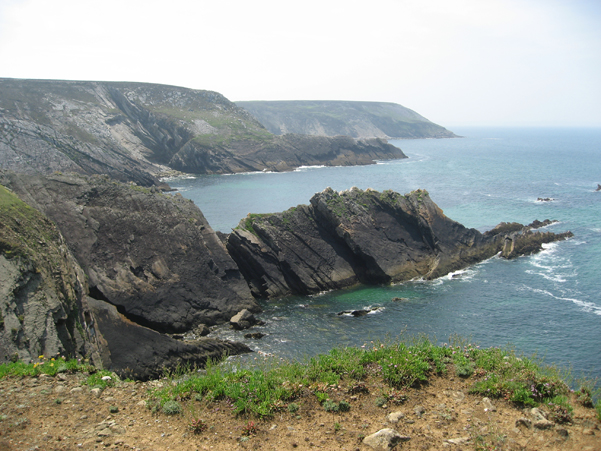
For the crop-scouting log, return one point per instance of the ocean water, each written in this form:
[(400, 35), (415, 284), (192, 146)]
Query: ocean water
[(548, 304)]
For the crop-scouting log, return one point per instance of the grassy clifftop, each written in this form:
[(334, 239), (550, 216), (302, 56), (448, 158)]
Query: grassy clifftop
[(356, 119)]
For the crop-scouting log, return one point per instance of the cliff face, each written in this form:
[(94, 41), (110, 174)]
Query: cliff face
[(44, 306), (151, 255), (136, 131), (41, 285), (357, 236), (355, 119)]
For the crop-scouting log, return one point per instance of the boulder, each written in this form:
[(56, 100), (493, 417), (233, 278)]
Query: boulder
[(243, 320)]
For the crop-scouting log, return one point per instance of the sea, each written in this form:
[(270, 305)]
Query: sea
[(546, 306)]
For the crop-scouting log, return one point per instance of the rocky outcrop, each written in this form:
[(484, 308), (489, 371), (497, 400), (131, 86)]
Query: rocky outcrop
[(136, 131), (333, 118), (153, 256), (370, 237), (41, 286), (44, 307), (139, 353)]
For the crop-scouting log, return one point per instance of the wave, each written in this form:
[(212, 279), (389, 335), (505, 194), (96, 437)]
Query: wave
[(588, 307), (304, 168)]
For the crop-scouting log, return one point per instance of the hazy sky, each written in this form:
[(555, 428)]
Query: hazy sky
[(457, 62)]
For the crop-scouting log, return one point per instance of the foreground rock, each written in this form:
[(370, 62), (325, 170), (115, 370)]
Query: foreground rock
[(358, 236), (45, 309), (138, 131), (153, 256), (384, 439)]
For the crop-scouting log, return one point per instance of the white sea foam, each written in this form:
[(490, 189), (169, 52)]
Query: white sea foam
[(589, 307), (304, 168)]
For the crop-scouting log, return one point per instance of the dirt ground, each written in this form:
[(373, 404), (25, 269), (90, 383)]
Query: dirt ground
[(62, 413)]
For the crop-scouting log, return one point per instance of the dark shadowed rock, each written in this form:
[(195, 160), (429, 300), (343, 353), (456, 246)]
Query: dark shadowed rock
[(139, 353), (152, 255), (254, 335), (358, 236)]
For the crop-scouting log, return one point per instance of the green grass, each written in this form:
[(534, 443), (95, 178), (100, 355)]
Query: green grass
[(47, 366), (264, 390), (273, 386)]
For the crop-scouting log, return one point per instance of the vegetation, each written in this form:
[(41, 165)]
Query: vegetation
[(273, 387)]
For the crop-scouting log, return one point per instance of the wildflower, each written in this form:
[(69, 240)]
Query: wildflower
[(52, 359), (41, 357)]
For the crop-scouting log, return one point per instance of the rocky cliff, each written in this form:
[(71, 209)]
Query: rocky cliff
[(136, 131), (153, 256), (45, 310), (355, 119), (369, 237)]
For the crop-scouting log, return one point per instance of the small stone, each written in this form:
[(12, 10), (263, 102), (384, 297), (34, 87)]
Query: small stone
[(563, 432), (104, 432), (419, 411), (488, 405), (588, 432), (106, 378), (76, 390), (385, 439), (537, 414), (458, 441), (395, 417), (543, 424), (96, 392), (523, 422), (62, 377)]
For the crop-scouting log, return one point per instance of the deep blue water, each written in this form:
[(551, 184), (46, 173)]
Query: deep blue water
[(549, 304)]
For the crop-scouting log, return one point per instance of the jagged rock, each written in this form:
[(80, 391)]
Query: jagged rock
[(598, 187), (41, 286), (254, 335), (385, 439), (154, 256), (202, 330), (545, 199), (243, 320), (140, 353), (357, 236), (397, 299)]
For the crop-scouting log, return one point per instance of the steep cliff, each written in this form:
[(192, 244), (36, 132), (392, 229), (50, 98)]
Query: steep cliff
[(369, 237), (153, 256), (41, 285), (136, 131), (355, 119), (44, 304)]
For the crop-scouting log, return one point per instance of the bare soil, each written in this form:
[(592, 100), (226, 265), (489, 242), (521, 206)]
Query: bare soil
[(62, 413)]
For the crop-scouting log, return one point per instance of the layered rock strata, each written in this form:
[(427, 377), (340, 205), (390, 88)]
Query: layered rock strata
[(44, 306), (370, 237), (137, 131), (153, 256)]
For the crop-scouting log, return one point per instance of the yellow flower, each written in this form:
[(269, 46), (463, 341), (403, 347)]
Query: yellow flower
[(52, 359), (52, 364), (41, 357)]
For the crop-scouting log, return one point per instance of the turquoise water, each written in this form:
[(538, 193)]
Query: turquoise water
[(549, 304)]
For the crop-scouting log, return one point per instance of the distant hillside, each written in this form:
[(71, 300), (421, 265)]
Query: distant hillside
[(136, 131), (355, 119)]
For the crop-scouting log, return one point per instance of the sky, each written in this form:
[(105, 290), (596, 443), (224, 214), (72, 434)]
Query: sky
[(456, 62)]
